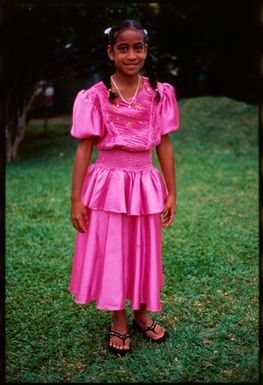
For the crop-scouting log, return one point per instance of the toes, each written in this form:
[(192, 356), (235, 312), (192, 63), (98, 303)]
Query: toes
[(160, 330), (159, 333), (155, 336), (116, 344), (119, 344), (127, 345)]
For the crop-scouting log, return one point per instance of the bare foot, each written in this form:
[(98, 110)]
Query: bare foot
[(143, 319), (119, 325)]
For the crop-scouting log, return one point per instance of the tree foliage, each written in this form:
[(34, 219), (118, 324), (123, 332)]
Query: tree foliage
[(201, 45), (46, 41), (36, 49)]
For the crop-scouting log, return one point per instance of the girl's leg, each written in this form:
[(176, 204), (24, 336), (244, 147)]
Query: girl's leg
[(119, 325), (144, 319)]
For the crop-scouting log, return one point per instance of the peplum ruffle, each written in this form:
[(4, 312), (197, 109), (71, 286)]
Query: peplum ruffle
[(123, 181)]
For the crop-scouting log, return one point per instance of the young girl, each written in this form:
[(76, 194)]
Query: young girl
[(120, 203)]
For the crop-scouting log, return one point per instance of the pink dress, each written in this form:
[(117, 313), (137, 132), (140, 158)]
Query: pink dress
[(119, 258)]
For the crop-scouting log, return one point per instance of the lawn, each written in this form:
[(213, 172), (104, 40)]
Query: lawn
[(210, 259)]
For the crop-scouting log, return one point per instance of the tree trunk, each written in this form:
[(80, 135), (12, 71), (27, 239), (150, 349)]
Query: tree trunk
[(12, 145), (20, 132), (8, 145)]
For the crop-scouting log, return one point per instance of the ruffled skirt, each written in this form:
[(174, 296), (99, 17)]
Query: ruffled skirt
[(119, 258)]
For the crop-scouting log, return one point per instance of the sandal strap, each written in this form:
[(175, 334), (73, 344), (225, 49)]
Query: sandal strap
[(153, 325), (146, 328), (116, 334)]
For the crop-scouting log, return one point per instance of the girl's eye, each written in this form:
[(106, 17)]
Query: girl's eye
[(138, 48)]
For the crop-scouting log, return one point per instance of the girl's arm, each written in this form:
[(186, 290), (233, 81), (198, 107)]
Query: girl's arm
[(167, 162), (79, 216)]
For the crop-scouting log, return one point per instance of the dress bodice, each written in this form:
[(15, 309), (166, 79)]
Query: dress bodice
[(115, 125)]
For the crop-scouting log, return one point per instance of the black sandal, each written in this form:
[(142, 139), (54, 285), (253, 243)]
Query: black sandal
[(121, 336), (144, 329)]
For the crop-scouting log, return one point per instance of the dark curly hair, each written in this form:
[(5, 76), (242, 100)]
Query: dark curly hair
[(149, 67)]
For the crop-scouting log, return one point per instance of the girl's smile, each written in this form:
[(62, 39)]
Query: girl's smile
[(128, 52)]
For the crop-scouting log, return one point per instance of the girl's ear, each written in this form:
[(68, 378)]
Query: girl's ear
[(110, 52)]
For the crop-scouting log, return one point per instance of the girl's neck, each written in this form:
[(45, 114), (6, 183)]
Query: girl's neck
[(123, 80)]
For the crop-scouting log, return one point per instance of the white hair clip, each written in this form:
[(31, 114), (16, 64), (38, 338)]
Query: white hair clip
[(145, 32), (107, 31)]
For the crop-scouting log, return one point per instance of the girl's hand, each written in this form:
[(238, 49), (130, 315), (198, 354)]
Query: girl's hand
[(168, 212), (79, 216)]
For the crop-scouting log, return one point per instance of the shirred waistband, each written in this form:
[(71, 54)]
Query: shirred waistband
[(124, 159)]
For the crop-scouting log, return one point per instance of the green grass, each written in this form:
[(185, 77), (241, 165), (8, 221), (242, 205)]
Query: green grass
[(210, 258)]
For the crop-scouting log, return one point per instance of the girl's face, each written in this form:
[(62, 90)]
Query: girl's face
[(128, 52)]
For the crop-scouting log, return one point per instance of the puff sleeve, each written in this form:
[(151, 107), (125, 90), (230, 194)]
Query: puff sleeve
[(169, 112), (87, 119)]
